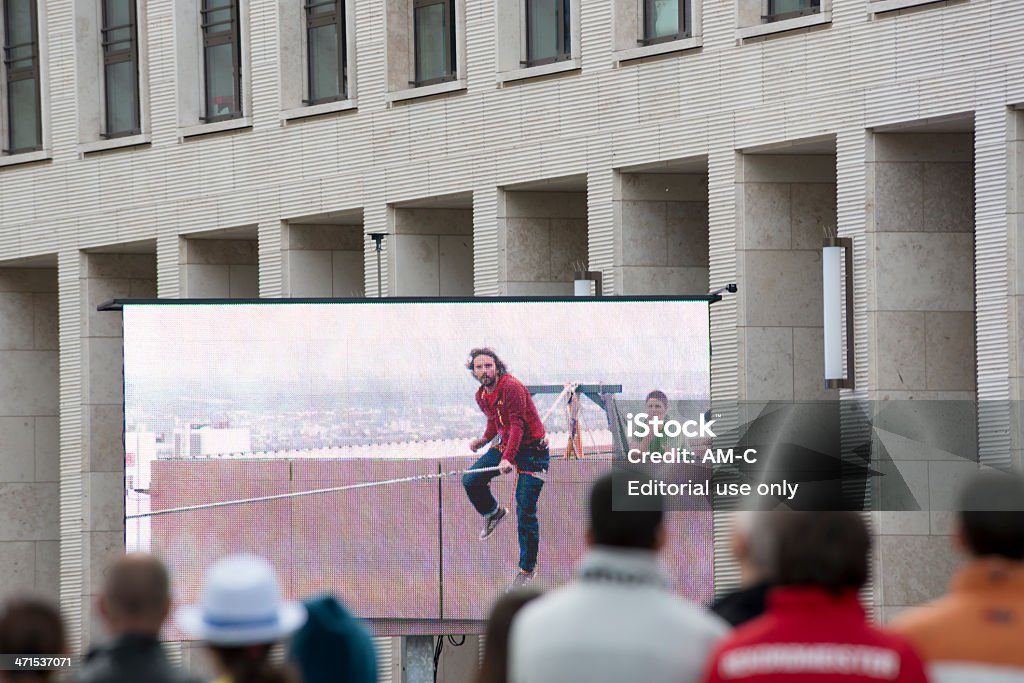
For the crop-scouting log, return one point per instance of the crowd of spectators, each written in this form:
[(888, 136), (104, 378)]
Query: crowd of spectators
[(797, 616)]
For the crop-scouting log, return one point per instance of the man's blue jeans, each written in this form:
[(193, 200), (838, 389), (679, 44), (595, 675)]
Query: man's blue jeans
[(533, 465)]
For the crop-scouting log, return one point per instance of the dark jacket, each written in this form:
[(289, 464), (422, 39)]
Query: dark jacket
[(130, 659), (742, 605)]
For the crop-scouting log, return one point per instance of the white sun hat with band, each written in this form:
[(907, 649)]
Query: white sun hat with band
[(241, 605)]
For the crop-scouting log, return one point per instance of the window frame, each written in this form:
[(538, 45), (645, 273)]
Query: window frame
[(312, 22), (210, 39), (564, 14), (14, 75), (814, 7), (132, 55), (685, 24), (451, 46)]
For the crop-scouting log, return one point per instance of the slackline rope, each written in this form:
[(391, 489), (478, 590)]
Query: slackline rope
[(296, 494)]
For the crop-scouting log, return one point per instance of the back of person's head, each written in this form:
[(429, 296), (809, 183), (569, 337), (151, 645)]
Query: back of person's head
[(240, 616), (136, 595), (494, 667), (333, 645), (30, 626), (991, 515), (753, 546), (622, 528), (828, 550)]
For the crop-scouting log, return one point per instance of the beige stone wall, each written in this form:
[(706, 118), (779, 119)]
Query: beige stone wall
[(784, 204), (662, 221), (432, 251), (923, 242), (29, 448), (323, 260), (921, 318), (542, 238), (219, 268)]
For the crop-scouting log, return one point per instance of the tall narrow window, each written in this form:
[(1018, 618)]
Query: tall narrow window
[(21, 68), (547, 31), (787, 9), (120, 68), (325, 45), (222, 57), (665, 20), (434, 22)]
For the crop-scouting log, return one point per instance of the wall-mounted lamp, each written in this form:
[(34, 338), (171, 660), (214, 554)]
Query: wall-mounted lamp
[(378, 239), (582, 280), (836, 253)]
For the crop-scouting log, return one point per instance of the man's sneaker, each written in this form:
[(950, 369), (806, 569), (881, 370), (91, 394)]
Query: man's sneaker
[(522, 579), (491, 522)]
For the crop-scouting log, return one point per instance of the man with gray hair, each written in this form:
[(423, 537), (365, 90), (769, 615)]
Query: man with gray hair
[(751, 545), (134, 605)]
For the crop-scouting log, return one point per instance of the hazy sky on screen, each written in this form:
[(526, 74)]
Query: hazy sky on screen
[(422, 346)]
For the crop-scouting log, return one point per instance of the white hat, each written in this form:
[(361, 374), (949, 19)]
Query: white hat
[(241, 605)]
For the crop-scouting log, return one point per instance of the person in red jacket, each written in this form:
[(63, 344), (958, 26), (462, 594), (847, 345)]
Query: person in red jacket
[(815, 628), (523, 447)]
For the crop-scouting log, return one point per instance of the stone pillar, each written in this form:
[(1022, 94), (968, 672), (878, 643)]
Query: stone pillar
[(486, 229)]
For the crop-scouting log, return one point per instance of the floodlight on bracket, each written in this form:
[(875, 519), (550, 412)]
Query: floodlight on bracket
[(378, 240)]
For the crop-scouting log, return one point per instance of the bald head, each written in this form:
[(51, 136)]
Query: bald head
[(136, 595)]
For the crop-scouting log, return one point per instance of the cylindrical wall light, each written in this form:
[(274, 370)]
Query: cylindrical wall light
[(581, 283), (837, 252)]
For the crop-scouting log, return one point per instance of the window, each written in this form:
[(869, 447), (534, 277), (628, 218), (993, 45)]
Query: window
[(21, 74), (434, 35), (787, 9), (665, 20), (222, 60), (120, 68), (325, 45), (547, 31)]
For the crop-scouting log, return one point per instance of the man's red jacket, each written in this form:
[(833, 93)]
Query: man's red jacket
[(808, 634), (510, 414)]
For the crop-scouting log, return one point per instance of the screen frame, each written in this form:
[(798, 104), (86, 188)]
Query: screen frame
[(403, 626)]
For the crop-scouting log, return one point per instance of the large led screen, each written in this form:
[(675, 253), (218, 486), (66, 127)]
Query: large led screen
[(330, 437)]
